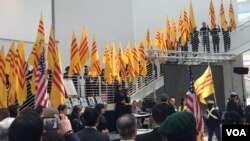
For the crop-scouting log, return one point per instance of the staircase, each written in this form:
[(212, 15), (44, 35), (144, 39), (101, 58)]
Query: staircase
[(240, 39)]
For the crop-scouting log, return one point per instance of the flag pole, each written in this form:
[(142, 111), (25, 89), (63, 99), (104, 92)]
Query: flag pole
[(215, 100)]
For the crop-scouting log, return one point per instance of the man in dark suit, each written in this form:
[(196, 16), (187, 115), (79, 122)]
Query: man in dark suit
[(164, 101), (90, 133), (159, 114), (234, 104)]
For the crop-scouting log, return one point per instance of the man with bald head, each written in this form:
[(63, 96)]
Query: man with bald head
[(126, 126)]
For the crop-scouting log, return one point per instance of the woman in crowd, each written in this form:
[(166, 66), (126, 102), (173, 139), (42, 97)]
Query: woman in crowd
[(182, 107), (127, 108), (103, 124), (74, 117), (120, 102), (135, 108), (62, 109)]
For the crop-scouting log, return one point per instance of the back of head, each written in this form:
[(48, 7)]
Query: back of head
[(99, 107), (49, 112), (126, 126), (159, 113), (75, 112), (12, 110), (27, 127), (179, 126), (39, 109), (61, 107), (164, 97), (4, 113), (91, 117)]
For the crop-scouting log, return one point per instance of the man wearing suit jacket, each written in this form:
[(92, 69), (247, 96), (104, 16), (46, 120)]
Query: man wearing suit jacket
[(90, 133), (159, 114)]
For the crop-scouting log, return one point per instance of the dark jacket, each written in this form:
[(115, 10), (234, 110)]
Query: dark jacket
[(71, 137), (52, 136), (151, 136), (119, 107), (195, 37), (216, 120), (91, 134), (215, 34), (103, 124), (233, 106), (170, 108)]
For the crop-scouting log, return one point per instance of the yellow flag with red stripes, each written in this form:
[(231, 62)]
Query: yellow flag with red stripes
[(157, 41), (135, 60), (3, 92), (121, 63), (149, 43), (131, 74), (108, 65), (75, 65), (57, 95), (9, 58), (114, 71), (212, 14), (95, 63), (223, 20), (143, 62), (51, 56), (10, 62), (204, 85), (174, 36), (192, 23), (232, 16), (84, 48), (21, 85)]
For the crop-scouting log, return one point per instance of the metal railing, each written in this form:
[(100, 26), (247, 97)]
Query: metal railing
[(92, 87)]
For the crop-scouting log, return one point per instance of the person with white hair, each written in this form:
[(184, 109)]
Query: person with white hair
[(204, 32)]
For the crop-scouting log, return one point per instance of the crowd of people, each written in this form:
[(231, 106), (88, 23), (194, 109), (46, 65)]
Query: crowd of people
[(169, 122)]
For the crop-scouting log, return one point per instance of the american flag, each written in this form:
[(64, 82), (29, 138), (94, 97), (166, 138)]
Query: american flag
[(41, 97), (193, 105)]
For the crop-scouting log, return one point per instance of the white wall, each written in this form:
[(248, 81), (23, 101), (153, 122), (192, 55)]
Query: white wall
[(108, 19), (19, 21)]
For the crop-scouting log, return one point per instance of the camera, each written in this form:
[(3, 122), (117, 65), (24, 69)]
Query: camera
[(50, 123)]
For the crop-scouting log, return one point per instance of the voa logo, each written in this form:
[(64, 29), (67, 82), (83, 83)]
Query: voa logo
[(236, 132)]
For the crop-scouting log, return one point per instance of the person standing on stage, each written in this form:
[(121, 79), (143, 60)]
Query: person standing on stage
[(120, 102), (127, 108), (204, 32), (227, 39), (216, 38), (195, 40), (213, 121), (234, 104)]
